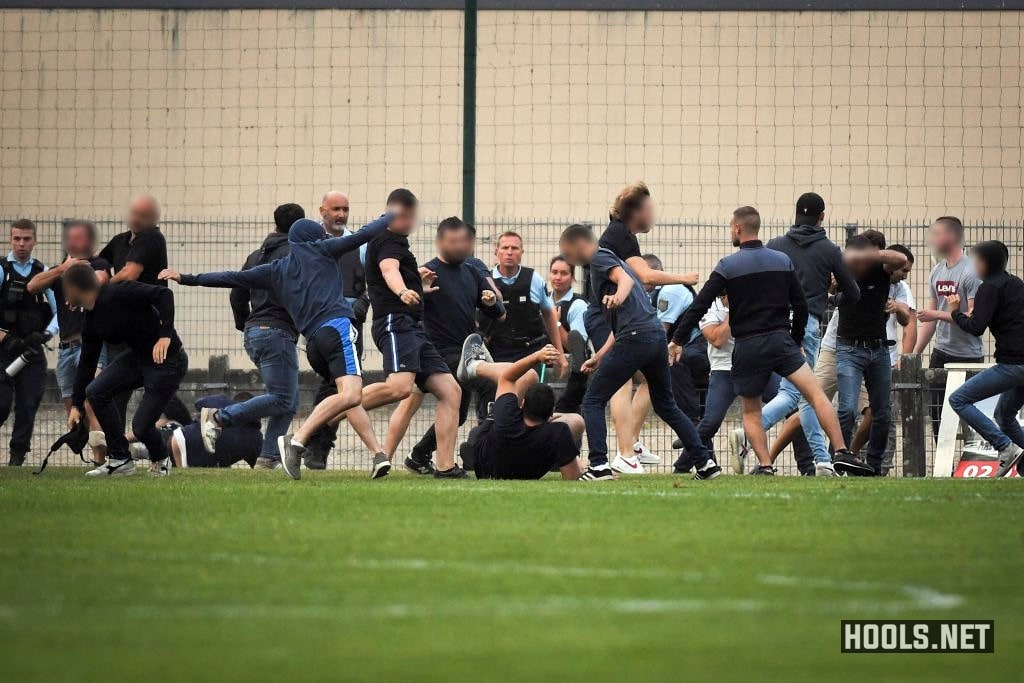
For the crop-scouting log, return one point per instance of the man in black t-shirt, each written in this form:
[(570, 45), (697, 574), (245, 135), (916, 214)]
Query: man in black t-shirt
[(141, 252), (80, 245), (410, 358), (862, 345), (449, 316), (522, 438)]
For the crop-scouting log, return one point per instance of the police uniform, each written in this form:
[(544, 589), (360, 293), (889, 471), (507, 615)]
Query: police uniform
[(23, 315), (523, 330)]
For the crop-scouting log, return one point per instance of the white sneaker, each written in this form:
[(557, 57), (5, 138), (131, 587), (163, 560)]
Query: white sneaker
[(113, 468), (1008, 458), (824, 469), (739, 447), (160, 468), (209, 428), (627, 465), (644, 456)]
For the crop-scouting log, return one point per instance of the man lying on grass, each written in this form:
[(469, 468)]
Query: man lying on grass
[(523, 438)]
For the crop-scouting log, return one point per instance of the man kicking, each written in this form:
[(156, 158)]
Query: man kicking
[(141, 317), (525, 438), (307, 282), (396, 293), (763, 289), (637, 343)]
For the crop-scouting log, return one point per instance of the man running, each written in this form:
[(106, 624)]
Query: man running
[(449, 316), (410, 359), (763, 290), (637, 344), (307, 282), (140, 317)]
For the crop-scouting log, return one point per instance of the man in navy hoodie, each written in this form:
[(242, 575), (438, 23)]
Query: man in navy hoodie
[(816, 261), (307, 282)]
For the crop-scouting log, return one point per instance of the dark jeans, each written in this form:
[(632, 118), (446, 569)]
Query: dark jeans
[(25, 392), (856, 365), (1005, 381), (644, 352), (939, 359), (428, 443), (128, 372), (691, 371), (272, 350)]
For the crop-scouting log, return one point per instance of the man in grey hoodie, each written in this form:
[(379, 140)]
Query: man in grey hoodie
[(817, 260)]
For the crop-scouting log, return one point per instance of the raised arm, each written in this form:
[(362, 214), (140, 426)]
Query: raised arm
[(337, 246), (512, 374), (254, 278), (655, 278)]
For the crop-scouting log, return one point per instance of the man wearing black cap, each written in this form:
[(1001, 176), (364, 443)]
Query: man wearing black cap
[(816, 260)]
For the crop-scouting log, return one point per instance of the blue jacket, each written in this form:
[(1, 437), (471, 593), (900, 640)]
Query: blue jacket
[(308, 280)]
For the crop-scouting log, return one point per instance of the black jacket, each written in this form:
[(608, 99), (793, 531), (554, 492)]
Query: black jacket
[(998, 306), (816, 259), (259, 307)]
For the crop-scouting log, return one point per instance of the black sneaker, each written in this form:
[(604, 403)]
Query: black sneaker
[(473, 349), (599, 473), (710, 470), (577, 350), (683, 464), (763, 471), (455, 472), (847, 463), (16, 460), (381, 466), (677, 444), (419, 465)]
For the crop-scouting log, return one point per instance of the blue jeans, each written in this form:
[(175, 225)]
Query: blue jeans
[(1007, 380), (273, 352), (721, 394), (644, 352), (789, 399), (856, 365)]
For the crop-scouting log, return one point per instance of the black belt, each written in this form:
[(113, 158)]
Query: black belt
[(866, 343), (69, 344)]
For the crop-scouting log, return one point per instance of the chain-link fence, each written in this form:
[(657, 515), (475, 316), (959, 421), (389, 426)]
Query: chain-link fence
[(206, 326)]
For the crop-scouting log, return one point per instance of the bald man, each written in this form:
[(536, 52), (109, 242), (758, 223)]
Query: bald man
[(334, 214), (141, 252)]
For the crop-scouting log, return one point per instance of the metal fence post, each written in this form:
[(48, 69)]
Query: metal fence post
[(469, 113), (909, 383)]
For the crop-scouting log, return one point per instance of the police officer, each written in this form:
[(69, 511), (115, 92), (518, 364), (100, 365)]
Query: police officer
[(27, 322)]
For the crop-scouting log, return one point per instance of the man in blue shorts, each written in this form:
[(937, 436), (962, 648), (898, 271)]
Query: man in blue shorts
[(308, 283)]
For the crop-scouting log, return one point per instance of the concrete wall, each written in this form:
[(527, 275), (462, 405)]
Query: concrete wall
[(890, 115)]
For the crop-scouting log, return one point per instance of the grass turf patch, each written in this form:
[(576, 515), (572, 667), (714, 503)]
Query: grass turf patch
[(208, 575)]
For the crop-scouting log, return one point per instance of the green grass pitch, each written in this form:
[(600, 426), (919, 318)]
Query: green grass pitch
[(246, 576)]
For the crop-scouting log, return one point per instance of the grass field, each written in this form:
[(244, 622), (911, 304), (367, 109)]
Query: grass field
[(236, 575)]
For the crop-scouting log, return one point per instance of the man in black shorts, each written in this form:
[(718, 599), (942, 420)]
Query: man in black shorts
[(307, 282), (523, 438), (763, 289), (449, 316), (410, 358)]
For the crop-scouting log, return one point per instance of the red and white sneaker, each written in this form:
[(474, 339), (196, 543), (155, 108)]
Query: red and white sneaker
[(644, 456), (627, 465)]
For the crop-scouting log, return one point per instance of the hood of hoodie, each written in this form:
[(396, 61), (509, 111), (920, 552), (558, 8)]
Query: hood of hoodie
[(305, 230), (273, 241), (806, 235), (995, 255)]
